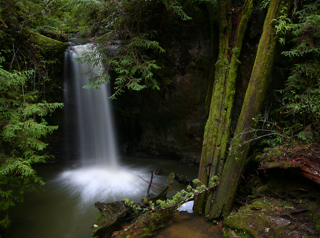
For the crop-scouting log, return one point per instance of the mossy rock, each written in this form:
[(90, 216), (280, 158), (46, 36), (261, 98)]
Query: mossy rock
[(54, 34), (272, 217), (47, 46), (48, 56)]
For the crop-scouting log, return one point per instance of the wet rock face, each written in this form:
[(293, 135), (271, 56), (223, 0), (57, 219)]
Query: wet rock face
[(169, 122)]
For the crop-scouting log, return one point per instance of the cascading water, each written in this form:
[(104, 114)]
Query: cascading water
[(95, 122), (99, 177)]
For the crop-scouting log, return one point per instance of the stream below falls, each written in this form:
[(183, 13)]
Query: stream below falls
[(65, 209)]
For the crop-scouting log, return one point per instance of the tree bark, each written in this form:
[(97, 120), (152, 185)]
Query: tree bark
[(232, 26), (259, 81)]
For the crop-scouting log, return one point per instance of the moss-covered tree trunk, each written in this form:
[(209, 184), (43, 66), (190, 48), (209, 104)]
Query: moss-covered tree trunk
[(232, 25), (259, 81)]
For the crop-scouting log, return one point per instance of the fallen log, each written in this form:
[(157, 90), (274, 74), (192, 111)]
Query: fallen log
[(111, 218), (140, 220), (296, 157), (146, 224), (119, 219), (308, 168)]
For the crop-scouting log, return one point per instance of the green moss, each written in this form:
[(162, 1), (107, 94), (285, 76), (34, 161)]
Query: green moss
[(100, 217), (290, 210), (258, 218), (218, 125), (46, 45), (259, 81), (315, 212)]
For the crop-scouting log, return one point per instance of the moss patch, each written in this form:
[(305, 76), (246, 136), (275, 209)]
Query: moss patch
[(291, 209), (47, 46)]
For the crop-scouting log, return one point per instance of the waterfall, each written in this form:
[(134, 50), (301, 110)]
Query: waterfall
[(94, 129), (91, 139)]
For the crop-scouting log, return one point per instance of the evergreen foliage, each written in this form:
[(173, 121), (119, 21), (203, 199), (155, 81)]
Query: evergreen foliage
[(301, 96), (65, 16), (134, 27), (55, 18), (130, 44), (21, 127), (25, 82)]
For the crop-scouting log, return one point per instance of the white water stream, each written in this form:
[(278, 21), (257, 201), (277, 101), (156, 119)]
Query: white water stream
[(95, 127), (100, 175)]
